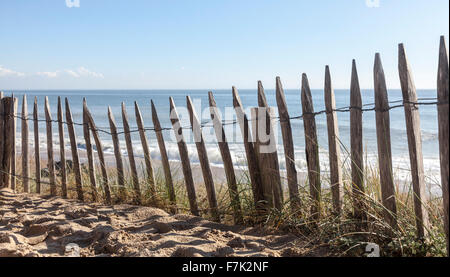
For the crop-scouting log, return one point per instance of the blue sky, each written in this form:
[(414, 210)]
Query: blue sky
[(213, 44)]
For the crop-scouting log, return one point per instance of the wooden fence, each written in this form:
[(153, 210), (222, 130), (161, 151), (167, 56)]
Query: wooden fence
[(263, 166)]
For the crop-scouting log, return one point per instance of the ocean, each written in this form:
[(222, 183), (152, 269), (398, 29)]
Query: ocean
[(99, 100)]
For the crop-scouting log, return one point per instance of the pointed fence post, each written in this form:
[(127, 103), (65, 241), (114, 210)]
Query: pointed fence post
[(384, 144), (413, 130), (62, 150), (51, 161), (89, 154), (443, 98), (37, 154), (184, 156), (117, 155), (226, 158), (204, 161), (147, 157), (74, 150), (312, 148), (25, 146), (334, 148), (288, 144), (356, 145), (164, 158)]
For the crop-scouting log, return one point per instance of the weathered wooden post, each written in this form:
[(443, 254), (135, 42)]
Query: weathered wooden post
[(204, 161), (51, 161), (6, 117), (13, 134), (356, 145), (414, 142), (25, 134), (226, 158), (334, 149), (130, 152), (2, 141), (384, 144), (74, 150), (443, 98), (312, 148), (164, 157), (89, 154), (252, 161), (147, 157), (37, 154), (62, 150), (184, 156), (288, 143), (117, 155)]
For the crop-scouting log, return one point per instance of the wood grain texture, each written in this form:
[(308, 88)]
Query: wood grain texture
[(37, 154), (413, 132), (184, 156), (288, 144), (25, 146), (226, 158), (130, 152), (89, 154), (2, 141), (13, 150), (7, 104), (74, 151), (443, 112), (384, 143), (164, 158), (334, 149), (50, 158), (204, 160), (62, 150), (117, 154), (311, 148)]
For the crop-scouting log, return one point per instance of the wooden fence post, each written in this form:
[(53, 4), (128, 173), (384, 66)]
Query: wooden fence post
[(147, 157), (129, 144), (204, 161), (89, 154), (74, 150), (184, 156), (2, 134), (100, 153), (13, 134), (226, 158), (252, 161), (384, 143), (333, 144), (312, 148), (443, 98), (51, 162), (414, 142), (288, 144), (164, 158), (117, 154), (25, 133), (7, 110), (62, 150), (37, 154), (356, 144)]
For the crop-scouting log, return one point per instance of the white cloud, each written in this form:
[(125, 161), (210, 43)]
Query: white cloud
[(75, 73), (72, 73), (4, 72), (82, 71), (49, 74)]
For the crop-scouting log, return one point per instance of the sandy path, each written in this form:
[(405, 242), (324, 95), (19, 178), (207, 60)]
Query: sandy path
[(42, 226)]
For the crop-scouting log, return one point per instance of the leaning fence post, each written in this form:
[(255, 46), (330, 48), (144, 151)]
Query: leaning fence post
[(129, 144), (74, 149), (89, 154), (184, 156), (37, 154), (147, 157), (384, 143), (227, 161), (356, 145), (443, 98), (312, 148), (333, 144), (164, 158), (117, 155), (414, 141), (25, 133), (51, 162), (62, 150), (204, 161)]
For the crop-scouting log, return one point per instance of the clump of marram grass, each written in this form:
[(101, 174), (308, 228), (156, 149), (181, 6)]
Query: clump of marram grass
[(338, 235)]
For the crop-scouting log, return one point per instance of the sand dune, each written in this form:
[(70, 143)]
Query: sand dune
[(48, 226)]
